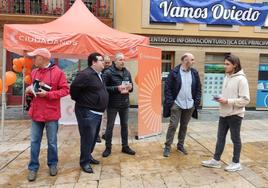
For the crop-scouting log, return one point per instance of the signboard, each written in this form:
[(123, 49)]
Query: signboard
[(149, 91), (208, 41), (224, 12)]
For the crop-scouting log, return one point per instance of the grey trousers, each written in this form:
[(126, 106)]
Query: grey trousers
[(178, 115)]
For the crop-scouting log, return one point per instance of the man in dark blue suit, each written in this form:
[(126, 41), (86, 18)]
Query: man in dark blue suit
[(182, 97)]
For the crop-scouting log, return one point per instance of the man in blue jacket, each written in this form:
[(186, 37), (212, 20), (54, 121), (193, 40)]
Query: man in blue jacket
[(182, 97)]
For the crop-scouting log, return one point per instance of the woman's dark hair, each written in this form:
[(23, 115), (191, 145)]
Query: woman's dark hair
[(92, 57), (235, 61)]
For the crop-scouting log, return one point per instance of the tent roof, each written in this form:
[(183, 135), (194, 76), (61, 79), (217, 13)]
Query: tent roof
[(74, 35)]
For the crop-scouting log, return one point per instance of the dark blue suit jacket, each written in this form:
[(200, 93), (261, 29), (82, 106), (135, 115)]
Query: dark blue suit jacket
[(173, 86)]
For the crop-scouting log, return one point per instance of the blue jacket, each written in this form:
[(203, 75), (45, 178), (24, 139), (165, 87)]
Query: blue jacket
[(173, 86)]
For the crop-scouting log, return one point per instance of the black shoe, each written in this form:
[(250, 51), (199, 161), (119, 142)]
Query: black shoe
[(94, 161), (32, 175), (107, 152), (98, 139), (127, 150), (87, 168), (166, 152), (182, 149), (103, 136), (53, 171)]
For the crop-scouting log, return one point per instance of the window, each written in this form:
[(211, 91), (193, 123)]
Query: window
[(264, 59), (215, 57), (35, 6), (19, 6), (167, 63), (100, 8), (91, 4)]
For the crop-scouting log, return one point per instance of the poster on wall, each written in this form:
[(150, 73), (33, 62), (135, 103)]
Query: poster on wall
[(213, 80), (262, 88)]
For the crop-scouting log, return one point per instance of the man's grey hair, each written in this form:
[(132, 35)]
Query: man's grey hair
[(119, 56), (106, 57)]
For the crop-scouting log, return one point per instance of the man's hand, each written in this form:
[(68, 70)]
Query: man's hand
[(29, 90), (41, 93), (129, 86), (222, 101), (123, 89)]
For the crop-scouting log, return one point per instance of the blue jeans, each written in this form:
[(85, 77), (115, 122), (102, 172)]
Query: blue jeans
[(89, 126), (36, 138)]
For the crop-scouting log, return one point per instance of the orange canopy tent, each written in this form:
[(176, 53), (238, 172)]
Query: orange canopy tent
[(74, 35)]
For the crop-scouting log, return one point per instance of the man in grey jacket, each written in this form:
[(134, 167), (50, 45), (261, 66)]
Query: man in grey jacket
[(235, 96)]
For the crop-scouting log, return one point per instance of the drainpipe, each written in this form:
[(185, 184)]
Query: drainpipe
[(114, 15)]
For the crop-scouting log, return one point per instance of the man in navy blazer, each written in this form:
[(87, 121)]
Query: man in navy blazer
[(182, 97)]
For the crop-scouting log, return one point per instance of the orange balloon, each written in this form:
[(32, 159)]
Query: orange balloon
[(28, 79), (22, 61), (27, 71), (11, 78), (28, 63), (16, 68), (1, 86), (17, 62)]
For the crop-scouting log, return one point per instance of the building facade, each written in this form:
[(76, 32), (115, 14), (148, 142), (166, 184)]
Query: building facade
[(208, 42), (42, 11)]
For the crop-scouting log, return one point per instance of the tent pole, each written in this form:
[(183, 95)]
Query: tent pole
[(23, 92), (114, 15), (3, 92)]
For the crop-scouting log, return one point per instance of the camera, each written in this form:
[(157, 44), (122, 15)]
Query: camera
[(37, 85)]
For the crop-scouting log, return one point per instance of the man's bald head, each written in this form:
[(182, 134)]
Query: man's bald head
[(186, 55), (187, 60)]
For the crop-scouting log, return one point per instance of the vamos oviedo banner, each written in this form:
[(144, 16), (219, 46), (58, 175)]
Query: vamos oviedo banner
[(225, 12)]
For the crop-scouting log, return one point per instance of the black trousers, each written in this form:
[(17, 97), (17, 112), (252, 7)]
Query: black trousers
[(111, 115), (234, 124)]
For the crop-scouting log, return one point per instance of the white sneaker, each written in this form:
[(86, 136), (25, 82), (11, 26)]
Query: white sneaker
[(211, 163), (233, 167)]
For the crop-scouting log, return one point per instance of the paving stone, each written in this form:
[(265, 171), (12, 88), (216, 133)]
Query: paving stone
[(111, 183), (134, 181), (148, 168)]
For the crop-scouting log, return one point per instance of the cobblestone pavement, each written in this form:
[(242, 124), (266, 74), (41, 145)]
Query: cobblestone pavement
[(148, 168)]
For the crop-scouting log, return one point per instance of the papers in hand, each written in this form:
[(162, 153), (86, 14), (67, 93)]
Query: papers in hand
[(216, 97)]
